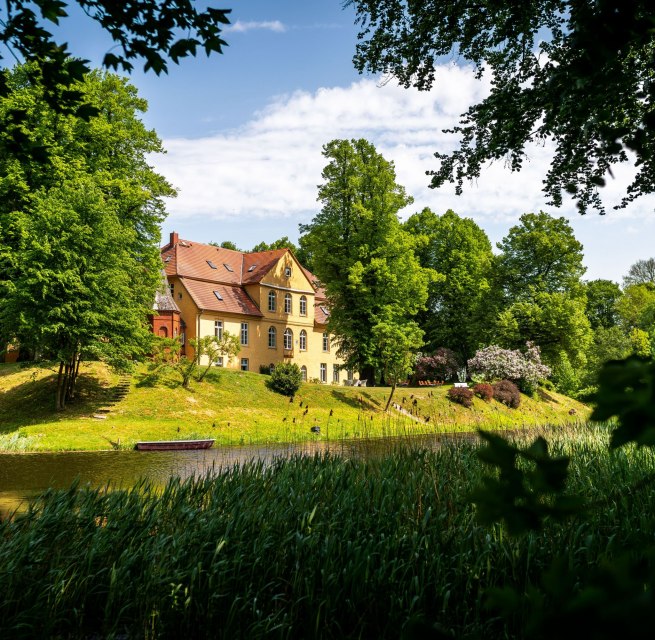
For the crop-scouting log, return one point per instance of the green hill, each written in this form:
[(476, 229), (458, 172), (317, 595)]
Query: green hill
[(236, 407)]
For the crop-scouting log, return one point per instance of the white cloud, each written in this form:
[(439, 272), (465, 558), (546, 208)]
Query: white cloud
[(243, 27), (270, 167)]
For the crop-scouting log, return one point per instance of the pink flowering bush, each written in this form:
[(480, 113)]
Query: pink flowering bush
[(443, 364), (524, 369)]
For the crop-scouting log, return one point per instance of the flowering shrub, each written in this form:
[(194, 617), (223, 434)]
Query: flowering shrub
[(508, 393), (461, 395), (484, 391), (525, 369), (442, 365)]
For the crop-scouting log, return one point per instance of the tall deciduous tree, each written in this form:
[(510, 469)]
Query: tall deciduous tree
[(79, 234), (460, 308), (602, 296), (540, 254), (360, 252), (576, 72), (539, 271)]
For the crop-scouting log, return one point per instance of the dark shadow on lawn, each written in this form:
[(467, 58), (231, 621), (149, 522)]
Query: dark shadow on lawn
[(345, 398), (34, 401)]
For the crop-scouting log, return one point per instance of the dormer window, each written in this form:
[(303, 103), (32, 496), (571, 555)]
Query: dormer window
[(218, 296), (287, 272), (228, 267), (254, 266), (211, 264), (167, 258)]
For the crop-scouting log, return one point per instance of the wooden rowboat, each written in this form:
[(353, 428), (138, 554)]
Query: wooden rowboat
[(173, 445)]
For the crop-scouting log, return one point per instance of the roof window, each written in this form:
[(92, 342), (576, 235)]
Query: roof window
[(167, 259), (254, 266), (211, 264), (218, 295), (228, 267)]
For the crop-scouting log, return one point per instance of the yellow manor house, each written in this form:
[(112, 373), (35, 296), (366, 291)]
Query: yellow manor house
[(267, 299)]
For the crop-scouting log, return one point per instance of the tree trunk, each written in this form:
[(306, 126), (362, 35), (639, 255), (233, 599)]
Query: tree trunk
[(60, 387), (393, 388), (368, 373)]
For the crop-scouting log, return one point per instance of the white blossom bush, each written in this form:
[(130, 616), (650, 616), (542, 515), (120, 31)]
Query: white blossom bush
[(525, 369)]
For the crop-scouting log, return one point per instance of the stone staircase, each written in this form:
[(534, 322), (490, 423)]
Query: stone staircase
[(118, 392)]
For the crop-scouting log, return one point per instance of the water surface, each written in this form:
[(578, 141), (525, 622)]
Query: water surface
[(25, 475)]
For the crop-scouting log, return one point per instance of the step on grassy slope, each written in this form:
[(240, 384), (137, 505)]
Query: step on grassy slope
[(235, 407)]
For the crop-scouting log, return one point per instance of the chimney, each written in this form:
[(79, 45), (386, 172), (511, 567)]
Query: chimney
[(174, 238)]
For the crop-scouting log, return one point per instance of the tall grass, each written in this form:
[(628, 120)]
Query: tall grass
[(312, 547)]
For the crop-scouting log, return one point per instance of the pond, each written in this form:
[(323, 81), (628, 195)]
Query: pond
[(25, 475)]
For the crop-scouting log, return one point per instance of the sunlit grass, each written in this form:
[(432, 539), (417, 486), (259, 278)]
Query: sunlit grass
[(235, 407)]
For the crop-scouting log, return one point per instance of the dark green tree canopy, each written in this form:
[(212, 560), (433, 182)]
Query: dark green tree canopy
[(576, 72), (457, 312), (602, 296), (151, 30)]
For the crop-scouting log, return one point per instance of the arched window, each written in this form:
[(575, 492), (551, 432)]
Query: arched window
[(288, 339), (326, 342), (287, 303), (303, 305), (272, 338), (303, 373), (303, 340), (163, 332), (271, 301)]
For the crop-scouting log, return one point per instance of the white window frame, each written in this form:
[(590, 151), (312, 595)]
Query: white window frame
[(326, 342), (288, 339), (272, 333), (303, 305), (218, 329), (272, 301), (335, 373), (219, 362), (288, 303), (303, 340), (303, 373), (245, 364), (287, 272), (323, 372), (244, 334)]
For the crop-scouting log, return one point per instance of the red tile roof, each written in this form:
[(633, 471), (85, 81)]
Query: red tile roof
[(234, 298), (321, 314), (192, 263), (260, 263)]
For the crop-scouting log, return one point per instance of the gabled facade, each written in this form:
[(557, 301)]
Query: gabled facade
[(267, 299)]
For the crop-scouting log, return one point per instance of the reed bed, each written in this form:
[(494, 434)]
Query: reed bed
[(311, 547)]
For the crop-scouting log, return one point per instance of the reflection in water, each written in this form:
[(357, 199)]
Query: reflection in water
[(25, 475)]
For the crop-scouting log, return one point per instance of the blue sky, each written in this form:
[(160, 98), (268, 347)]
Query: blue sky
[(244, 133)]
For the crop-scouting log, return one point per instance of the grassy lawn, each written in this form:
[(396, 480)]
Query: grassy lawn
[(236, 407)]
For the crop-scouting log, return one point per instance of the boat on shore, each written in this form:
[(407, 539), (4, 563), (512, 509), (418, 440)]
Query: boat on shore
[(173, 445)]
